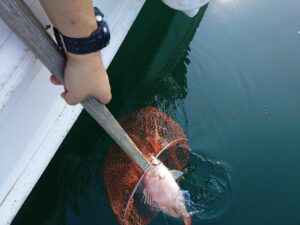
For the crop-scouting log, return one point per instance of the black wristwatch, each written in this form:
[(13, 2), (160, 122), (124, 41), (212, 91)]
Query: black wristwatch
[(95, 42)]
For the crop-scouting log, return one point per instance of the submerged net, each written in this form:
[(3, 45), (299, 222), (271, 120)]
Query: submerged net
[(151, 130)]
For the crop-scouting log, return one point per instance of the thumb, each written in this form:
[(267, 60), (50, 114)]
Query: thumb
[(102, 91)]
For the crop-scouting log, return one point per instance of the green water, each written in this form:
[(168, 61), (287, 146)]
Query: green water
[(231, 80)]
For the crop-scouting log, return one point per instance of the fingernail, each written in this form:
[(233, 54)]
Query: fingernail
[(54, 80)]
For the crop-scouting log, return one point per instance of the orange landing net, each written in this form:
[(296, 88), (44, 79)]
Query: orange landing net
[(151, 130)]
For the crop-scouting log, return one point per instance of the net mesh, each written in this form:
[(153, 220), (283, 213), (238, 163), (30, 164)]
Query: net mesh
[(151, 130)]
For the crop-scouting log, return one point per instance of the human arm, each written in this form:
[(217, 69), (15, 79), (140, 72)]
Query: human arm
[(84, 75)]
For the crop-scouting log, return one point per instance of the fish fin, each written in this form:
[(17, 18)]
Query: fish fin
[(161, 176), (176, 174), (147, 199), (194, 212), (187, 220), (187, 198)]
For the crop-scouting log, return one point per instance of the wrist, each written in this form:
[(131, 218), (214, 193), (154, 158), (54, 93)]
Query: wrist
[(84, 58)]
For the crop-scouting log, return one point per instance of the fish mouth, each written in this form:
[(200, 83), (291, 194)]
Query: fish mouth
[(155, 162)]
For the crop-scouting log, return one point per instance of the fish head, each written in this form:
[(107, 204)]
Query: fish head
[(155, 165), (155, 161)]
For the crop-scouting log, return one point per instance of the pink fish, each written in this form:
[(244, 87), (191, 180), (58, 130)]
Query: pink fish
[(162, 192)]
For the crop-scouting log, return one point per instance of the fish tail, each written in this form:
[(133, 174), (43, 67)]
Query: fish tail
[(187, 220)]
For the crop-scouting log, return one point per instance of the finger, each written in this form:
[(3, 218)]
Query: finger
[(70, 99), (63, 95), (104, 98), (107, 98), (54, 80)]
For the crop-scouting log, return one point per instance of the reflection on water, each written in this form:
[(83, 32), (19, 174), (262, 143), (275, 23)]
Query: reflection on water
[(233, 86)]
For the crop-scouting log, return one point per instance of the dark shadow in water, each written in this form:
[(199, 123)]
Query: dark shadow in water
[(151, 66), (210, 188)]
